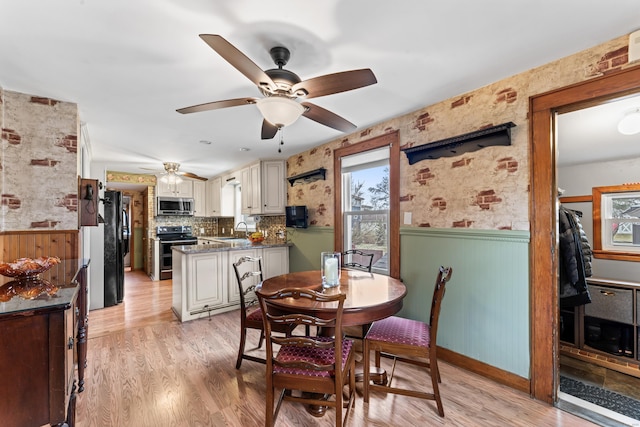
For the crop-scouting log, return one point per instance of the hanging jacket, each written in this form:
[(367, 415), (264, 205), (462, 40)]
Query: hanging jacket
[(575, 260)]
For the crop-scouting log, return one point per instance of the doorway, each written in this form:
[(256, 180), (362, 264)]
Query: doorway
[(126, 230), (544, 266), (597, 351)]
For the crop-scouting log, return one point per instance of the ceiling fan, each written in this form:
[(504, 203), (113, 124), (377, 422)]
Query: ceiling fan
[(282, 87), (172, 174)]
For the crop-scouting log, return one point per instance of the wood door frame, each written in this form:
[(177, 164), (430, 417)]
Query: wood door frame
[(543, 211), (391, 139)]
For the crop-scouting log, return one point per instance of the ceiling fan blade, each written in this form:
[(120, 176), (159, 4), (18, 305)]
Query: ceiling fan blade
[(217, 105), (327, 118), (192, 175), (239, 60), (268, 130), (335, 83)]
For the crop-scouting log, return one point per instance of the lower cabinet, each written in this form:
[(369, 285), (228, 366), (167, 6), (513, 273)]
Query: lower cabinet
[(275, 261), (206, 272), (37, 363), (204, 283), (609, 324)]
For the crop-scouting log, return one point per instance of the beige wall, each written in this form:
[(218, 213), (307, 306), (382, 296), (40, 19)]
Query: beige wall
[(486, 189), (39, 163)]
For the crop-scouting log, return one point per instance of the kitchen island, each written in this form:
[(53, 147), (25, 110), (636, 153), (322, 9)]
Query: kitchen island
[(204, 282)]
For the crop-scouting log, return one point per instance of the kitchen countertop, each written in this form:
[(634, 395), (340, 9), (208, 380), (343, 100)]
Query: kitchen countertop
[(228, 246)]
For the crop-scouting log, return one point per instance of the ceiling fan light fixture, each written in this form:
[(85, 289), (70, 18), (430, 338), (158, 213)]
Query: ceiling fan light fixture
[(279, 110), (630, 123), (171, 177)]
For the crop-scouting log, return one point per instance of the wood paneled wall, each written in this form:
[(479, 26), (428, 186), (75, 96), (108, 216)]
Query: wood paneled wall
[(63, 244)]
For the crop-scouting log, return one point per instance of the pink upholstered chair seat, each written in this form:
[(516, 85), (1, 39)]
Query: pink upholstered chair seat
[(318, 356), (255, 315), (401, 331)]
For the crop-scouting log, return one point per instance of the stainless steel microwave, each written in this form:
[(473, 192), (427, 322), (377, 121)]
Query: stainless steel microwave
[(166, 206)]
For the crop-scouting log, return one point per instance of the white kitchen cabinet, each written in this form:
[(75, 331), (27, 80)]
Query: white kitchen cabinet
[(199, 284), (245, 191), (183, 189), (204, 282), (200, 198), (263, 188), (207, 274), (275, 261), (220, 198)]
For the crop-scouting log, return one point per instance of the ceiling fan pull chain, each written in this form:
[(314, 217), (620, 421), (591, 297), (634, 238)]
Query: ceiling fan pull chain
[(281, 130)]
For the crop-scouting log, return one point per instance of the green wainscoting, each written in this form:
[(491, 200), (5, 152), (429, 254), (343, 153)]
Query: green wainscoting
[(485, 312), (307, 245)]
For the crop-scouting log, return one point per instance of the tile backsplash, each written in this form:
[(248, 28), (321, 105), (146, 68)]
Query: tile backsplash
[(270, 225)]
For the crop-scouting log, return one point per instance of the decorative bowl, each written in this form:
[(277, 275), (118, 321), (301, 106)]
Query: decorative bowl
[(27, 283), (256, 239), (27, 267)]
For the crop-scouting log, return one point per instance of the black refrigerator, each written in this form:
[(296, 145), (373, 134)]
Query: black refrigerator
[(116, 246)]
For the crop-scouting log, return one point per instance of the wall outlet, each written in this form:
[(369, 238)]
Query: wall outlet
[(201, 230)]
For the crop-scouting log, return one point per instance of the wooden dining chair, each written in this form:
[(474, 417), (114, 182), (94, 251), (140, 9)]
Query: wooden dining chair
[(250, 312), (307, 368), (408, 341), (355, 258), (358, 260)]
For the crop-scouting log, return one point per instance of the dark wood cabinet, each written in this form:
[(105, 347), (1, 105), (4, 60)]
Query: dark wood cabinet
[(38, 355), (609, 325)]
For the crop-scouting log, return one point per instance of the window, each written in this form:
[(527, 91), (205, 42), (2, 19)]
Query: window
[(616, 222), (365, 204), (390, 140), (237, 212)]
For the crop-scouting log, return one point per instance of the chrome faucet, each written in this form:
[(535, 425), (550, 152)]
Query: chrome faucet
[(246, 228)]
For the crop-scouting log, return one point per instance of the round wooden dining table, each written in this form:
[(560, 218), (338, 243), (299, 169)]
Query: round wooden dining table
[(370, 296)]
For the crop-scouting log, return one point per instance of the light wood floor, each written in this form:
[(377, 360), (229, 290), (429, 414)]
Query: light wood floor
[(147, 369)]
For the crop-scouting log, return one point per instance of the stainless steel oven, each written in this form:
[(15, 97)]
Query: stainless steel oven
[(171, 235)]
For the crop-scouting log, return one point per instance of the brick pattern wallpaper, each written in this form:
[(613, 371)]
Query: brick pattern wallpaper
[(485, 189), (39, 163)]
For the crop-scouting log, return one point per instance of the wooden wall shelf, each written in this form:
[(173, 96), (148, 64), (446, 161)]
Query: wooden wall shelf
[(308, 177), (472, 141)]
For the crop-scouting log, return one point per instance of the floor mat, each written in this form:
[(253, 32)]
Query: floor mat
[(607, 399)]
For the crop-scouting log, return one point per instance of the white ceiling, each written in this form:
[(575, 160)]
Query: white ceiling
[(591, 134), (130, 64)]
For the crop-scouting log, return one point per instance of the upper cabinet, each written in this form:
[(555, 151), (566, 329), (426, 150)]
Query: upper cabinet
[(219, 199), (263, 190), (200, 197), (183, 189)]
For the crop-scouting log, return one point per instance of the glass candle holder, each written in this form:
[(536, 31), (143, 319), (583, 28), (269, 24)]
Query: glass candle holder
[(330, 268)]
